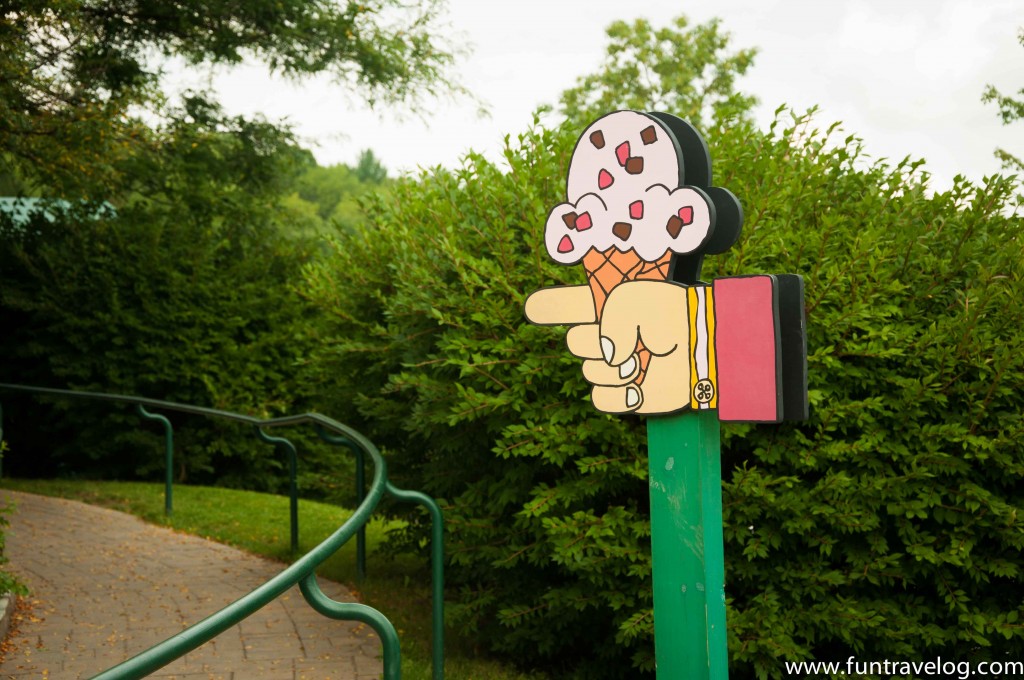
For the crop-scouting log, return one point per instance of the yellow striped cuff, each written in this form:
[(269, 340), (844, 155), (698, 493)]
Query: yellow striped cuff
[(703, 373)]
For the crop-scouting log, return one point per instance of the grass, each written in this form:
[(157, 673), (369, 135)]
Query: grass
[(258, 523)]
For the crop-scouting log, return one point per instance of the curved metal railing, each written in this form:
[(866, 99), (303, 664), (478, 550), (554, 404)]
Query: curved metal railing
[(303, 571)]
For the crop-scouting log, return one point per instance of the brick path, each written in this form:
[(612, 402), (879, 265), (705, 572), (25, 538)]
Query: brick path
[(106, 585)]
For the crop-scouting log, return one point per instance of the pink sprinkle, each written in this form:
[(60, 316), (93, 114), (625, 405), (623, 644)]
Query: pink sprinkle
[(565, 245), (686, 215), (583, 222), (604, 179), (636, 210), (622, 152)]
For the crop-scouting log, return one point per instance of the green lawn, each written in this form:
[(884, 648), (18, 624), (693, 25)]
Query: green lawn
[(258, 523)]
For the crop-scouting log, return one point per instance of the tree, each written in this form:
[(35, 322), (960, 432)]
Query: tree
[(369, 169), (185, 294), (335, 190), (687, 70), (1010, 110), (74, 73)]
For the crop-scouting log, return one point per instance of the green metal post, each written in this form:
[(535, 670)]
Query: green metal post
[(282, 444), (168, 456), (436, 570), (1, 442), (360, 494), (391, 653), (687, 550)]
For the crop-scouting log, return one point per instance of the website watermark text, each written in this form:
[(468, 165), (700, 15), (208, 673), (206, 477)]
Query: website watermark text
[(938, 667)]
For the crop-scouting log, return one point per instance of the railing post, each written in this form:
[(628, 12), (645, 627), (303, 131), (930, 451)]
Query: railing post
[(280, 443), (391, 653), (168, 456), (360, 494), (436, 569)]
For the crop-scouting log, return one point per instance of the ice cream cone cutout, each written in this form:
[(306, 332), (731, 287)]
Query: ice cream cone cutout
[(640, 214)]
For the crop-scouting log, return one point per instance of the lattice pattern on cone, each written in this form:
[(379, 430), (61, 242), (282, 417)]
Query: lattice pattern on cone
[(607, 269)]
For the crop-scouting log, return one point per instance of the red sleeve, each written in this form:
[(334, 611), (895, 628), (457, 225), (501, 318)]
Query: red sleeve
[(747, 349)]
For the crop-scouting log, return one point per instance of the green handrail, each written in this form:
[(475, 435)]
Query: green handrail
[(302, 572), (142, 402)]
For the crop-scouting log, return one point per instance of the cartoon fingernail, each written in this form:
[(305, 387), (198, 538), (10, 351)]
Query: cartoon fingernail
[(626, 369), (632, 397), (607, 349)]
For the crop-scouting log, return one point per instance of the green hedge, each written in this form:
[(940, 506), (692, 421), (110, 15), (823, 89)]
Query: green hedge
[(884, 526), (184, 295)]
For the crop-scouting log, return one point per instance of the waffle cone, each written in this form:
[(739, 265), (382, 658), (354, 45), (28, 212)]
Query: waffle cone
[(609, 268)]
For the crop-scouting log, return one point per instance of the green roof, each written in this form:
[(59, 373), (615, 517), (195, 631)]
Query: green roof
[(21, 210)]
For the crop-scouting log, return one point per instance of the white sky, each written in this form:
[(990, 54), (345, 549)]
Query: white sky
[(905, 75)]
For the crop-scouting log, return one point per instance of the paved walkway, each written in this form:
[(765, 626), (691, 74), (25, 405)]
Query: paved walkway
[(106, 585)]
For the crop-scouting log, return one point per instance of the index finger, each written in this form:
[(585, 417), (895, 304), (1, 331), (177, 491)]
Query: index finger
[(561, 306)]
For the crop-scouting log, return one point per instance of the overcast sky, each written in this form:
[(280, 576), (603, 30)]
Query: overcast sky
[(905, 75)]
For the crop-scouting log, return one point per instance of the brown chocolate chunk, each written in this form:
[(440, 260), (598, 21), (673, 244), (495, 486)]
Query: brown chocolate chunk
[(570, 219), (597, 139), (649, 135), (635, 165), (674, 226), (622, 230)]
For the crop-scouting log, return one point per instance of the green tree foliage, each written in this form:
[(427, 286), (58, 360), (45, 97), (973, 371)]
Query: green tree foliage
[(688, 70), (334, 191), (1010, 110), (369, 169), (73, 73), (885, 526), (183, 295)]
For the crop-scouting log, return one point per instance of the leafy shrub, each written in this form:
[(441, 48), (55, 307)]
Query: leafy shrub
[(184, 295), (886, 524)]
